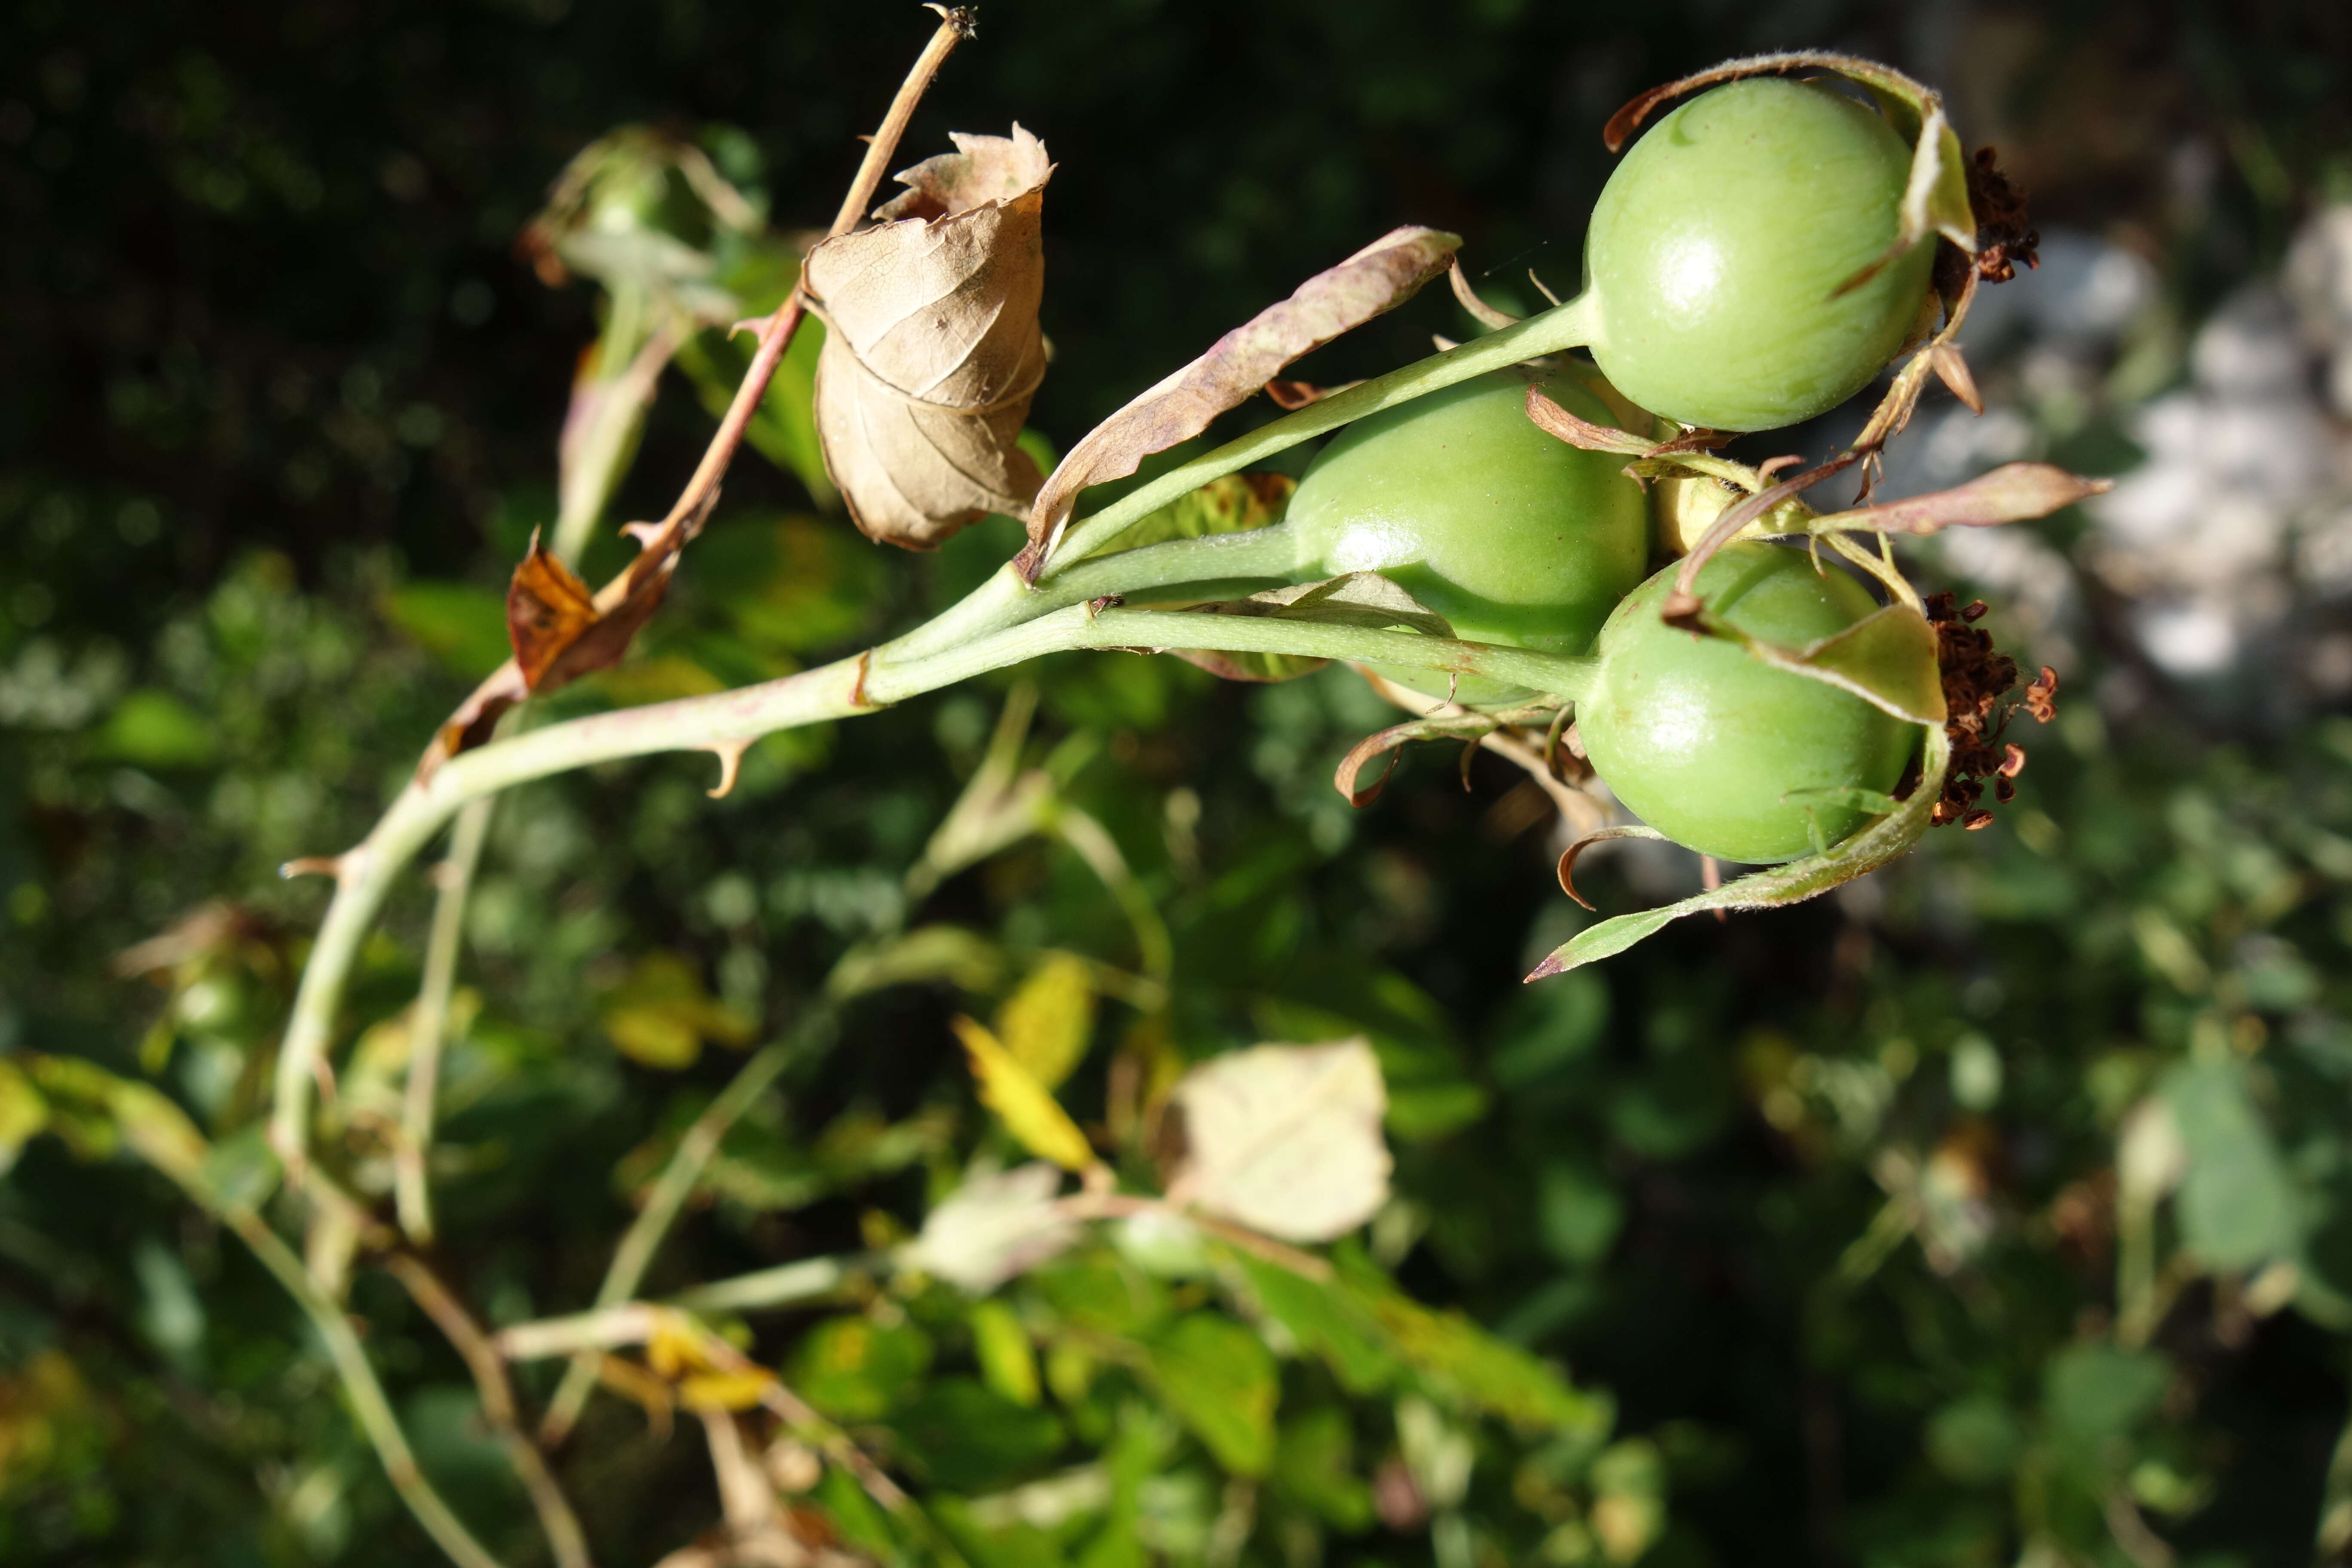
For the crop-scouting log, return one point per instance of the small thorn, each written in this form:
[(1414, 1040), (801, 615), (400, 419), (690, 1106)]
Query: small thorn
[(646, 533), (754, 325), (730, 763), (314, 866)]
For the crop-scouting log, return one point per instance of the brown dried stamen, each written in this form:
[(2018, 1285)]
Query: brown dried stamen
[(1976, 675), (2005, 239)]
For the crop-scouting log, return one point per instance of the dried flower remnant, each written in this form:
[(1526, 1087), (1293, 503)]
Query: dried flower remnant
[(932, 350), (1976, 675)]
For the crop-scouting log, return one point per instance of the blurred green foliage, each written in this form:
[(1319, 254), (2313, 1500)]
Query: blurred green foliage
[(1998, 1210)]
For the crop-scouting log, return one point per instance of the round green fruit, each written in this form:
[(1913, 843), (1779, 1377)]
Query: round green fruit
[(1514, 536), (1720, 751), (1717, 248)]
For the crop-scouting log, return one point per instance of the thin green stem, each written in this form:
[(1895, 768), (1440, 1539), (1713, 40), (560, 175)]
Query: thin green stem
[(430, 1022), (667, 1195), (1259, 553)]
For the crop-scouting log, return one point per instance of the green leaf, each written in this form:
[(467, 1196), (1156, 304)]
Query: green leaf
[(1460, 1360), (1220, 1380), (1007, 1362), (1326, 1320), (461, 623), (2238, 1206), (2096, 1395), (961, 1434), (154, 729), (1976, 1441), (1313, 1464), (1099, 1295), (855, 1369)]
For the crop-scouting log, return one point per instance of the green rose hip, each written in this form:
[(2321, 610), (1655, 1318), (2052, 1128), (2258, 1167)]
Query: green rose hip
[(1513, 537), (1722, 752), (1718, 250)]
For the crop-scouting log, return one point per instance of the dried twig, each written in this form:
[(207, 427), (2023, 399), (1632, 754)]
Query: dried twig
[(564, 1537)]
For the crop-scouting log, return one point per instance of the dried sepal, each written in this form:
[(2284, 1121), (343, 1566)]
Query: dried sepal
[(2014, 492), (1386, 742), (932, 350), (1467, 298), (1376, 280), (1574, 852)]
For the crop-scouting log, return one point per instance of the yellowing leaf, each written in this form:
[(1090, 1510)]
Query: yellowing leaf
[(723, 1390), (1021, 1102), (652, 1037), (661, 1015), (1047, 1023), (1286, 1139)]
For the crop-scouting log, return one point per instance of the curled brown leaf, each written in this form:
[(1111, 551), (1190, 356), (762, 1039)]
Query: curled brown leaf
[(933, 352), (1376, 278)]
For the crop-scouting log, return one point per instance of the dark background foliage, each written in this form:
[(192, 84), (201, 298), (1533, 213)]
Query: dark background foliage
[(268, 355)]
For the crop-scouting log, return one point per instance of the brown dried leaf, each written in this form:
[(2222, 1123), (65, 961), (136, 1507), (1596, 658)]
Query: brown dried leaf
[(1376, 278), (932, 350), (560, 632), (2014, 492)]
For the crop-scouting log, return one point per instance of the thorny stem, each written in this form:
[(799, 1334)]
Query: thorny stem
[(564, 1537), (412, 1181), (663, 1200), (727, 720), (338, 945)]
